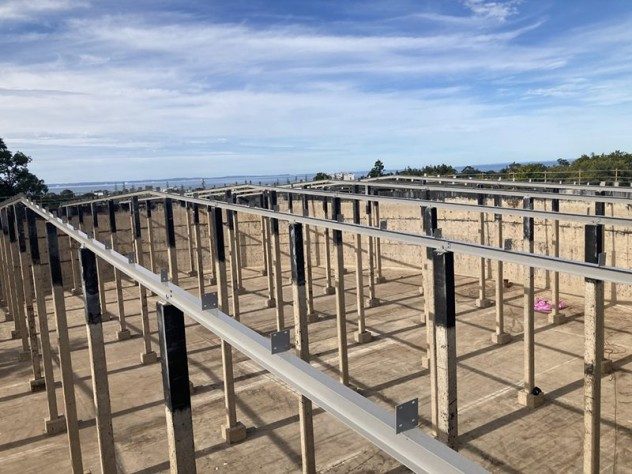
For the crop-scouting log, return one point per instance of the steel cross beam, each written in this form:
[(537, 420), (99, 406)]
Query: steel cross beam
[(413, 448)]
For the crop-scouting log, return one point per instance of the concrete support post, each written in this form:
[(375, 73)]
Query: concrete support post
[(276, 263), (16, 274), (329, 289), (445, 324), (372, 301), (175, 383), (12, 308), (482, 301), (190, 238), (530, 396), (198, 249), (555, 317), (430, 360), (150, 235), (37, 382), (54, 423), (362, 335), (211, 246), (499, 336), (148, 356), (593, 352), (309, 287), (600, 210), (123, 332), (94, 210), (98, 363), (172, 252), (63, 343), (379, 278), (301, 343), (341, 313), (74, 263), (271, 302), (233, 431), (232, 254)]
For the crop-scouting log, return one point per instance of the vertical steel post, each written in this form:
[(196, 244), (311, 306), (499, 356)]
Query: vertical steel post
[(94, 210), (373, 301), (555, 317), (309, 287), (150, 235), (123, 333), (482, 301), (175, 383), (198, 249), (379, 278), (187, 211), (328, 290), (271, 302), (20, 313), (499, 336), (232, 255), (430, 361), (74, 264), (339, 283), (172, 252), (276, 260), (361, 335)]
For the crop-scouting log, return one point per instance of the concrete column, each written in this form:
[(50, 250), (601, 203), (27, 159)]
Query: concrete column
[(236, 245), (150, 235), (37, 382), (192, 271), (63, 343), (530, 396), (148, 356), (175, 383), (593, 352), (600, 210), (445, 321), (482, 301), (100, 265), (276, 261), (499, 336), (54, 423), (339, 282), (232, 253), (98, 363), (361, 335), (372, 301), (309, 287), (198, 249), (211, 246), (172, 252), (430, 360), (328, 290), (233, 431), (379, 278), (10, 294), (555, 317), (74, 264), (14, 265), (271, 302), (301, 343), (123, 333)]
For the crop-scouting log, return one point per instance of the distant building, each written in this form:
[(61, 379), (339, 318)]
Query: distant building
[(343, 176)]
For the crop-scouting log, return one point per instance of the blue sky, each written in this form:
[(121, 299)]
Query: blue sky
[(149, 89)]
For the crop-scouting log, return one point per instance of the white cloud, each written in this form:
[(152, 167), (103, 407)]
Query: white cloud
[(498, 10), (25, 9)]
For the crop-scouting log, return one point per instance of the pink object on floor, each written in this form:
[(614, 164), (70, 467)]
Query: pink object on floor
[(542, 306), (562, 305)]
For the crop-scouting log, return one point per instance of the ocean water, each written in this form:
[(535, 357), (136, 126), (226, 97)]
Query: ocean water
[(199, 182)]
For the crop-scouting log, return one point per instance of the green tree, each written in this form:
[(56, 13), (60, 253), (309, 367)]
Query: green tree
[(377, 170), (470, 171), (320, 176), (15, 176)]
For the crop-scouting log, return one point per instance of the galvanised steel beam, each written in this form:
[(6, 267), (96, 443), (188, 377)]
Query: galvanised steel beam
[(413, 448)]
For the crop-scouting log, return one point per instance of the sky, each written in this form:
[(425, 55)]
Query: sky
[(123, 90)]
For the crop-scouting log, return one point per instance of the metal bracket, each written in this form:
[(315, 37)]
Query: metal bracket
[(108, 245), (90, 234), (601, 259), (164, 275), (280, 341), (437, 234), (131, 257), (383, 224), (508, 244), (340, 218), (407, 416), (209, 301)]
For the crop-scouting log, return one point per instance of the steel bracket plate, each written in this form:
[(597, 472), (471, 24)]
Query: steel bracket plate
[(209, 301), (280, 341), (340, 218), (164, 275), (108, 245), (131, 257), (508, 244), (601, 259), (383, 224), (437, 234), (407, 416)]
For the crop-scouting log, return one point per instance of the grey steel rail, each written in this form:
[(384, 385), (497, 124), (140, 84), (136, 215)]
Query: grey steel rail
[(413, 448), (491, 192), (509, 211)]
